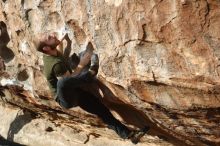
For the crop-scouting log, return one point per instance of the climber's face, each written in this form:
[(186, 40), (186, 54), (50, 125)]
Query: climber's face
[(51, 41)]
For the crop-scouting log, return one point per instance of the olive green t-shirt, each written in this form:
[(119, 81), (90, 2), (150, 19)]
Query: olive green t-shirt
[(54, 66)]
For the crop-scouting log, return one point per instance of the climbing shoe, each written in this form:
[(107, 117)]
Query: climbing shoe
[(135, 136)]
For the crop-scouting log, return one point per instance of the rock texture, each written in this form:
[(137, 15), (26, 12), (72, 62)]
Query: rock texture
[(159, 61)]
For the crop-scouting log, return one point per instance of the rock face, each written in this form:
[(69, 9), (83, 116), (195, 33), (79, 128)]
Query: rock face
[(159, 61)]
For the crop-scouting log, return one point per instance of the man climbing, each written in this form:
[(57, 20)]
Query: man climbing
[(65, 83)]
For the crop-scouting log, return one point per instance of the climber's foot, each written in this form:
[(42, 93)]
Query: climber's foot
[(135, 136)]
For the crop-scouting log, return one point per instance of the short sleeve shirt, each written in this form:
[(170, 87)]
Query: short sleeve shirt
[(54, 66), (60, 69)]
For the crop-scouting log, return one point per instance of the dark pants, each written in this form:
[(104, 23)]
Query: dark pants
[(69, 94)]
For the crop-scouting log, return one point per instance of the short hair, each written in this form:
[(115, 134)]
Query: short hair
[(40, 46), (39, 41)]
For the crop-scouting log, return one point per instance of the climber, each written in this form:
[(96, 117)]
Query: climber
[(65, 83)]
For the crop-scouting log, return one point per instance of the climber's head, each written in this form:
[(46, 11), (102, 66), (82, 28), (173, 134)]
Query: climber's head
[(47, 42)]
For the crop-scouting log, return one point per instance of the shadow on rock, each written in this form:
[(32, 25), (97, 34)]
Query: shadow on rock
[(19, 122), (6, 53), (135, 117), (4, 142)]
